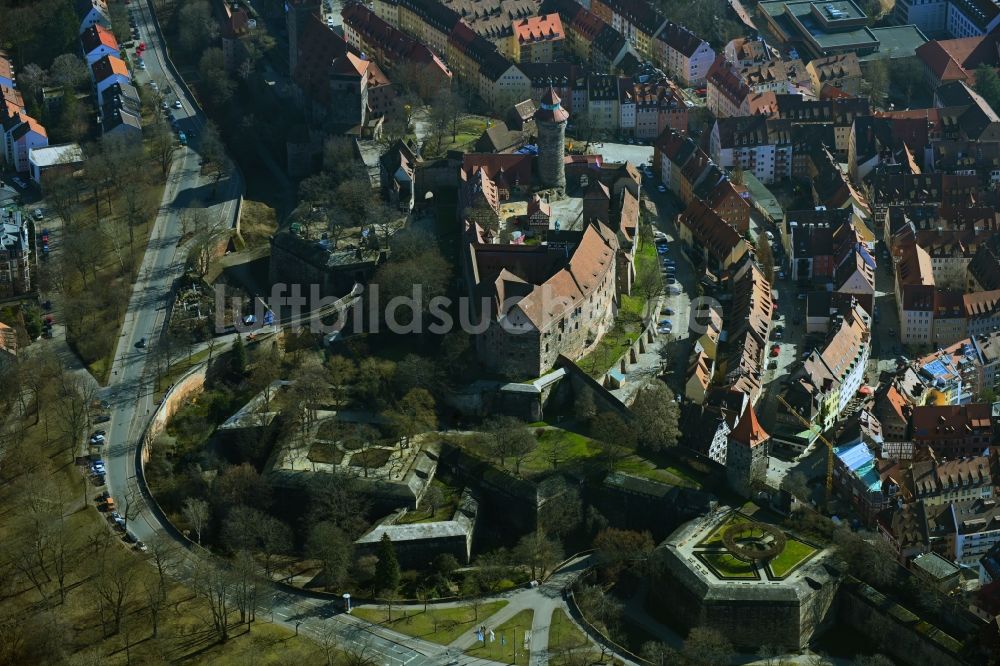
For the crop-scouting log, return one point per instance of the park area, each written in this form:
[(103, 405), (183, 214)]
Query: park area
[(437, 625), (727, 564), (562, 450)]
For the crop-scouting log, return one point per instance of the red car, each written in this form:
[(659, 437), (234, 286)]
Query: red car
[(775, 350), (142, 46)]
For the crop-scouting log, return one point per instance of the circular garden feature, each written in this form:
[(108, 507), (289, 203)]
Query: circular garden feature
[(753, 542)]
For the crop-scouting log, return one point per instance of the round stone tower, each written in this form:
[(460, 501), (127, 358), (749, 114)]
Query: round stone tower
[(550, 120)]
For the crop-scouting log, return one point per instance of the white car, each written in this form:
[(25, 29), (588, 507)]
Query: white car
[(662, 188), (177, 104)]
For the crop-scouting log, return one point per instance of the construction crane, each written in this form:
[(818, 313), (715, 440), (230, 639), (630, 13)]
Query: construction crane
[(829, 447)]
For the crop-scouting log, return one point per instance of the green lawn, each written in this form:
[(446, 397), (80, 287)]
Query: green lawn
[(794, 553), (647, 469), (646, 264), (563, 633), (443, 512), (470, 128), (512, 632), (728, 566), (438, 625), (611, 347), (630, 315), (563, 446)]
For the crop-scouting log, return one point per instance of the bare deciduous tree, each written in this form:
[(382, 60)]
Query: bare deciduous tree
[(196, 513)]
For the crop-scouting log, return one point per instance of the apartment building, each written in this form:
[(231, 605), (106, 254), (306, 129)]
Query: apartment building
[(953, 431), (15, 254), (727, 94), (755, 144), (830, 377), (538, 39), (684, 55), (935, 483), (841, 71)]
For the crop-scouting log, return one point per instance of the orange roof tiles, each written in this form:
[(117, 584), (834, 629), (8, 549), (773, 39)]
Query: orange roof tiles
[(749, 431), (539, 29)]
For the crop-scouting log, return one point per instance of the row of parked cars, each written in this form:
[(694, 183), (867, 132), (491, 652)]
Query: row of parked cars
[(106, 503)]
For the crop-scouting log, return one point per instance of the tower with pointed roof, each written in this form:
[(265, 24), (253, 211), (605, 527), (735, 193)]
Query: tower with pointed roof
[(297, 13), (747, 453), (550, 121)]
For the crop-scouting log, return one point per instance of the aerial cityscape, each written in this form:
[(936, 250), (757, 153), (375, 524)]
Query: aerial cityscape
[(480, 332)]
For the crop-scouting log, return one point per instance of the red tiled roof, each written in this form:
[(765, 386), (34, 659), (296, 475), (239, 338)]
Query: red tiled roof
[(97, 35), (6, 70), (954, 59), (539, 28), (109, 66), (749, 431)]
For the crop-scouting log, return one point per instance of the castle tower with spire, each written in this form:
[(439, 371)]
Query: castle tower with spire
[(747, 453), (297, 14), (550, 121)]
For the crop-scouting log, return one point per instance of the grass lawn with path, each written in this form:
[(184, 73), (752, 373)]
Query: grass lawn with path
[(437, 625), (513, 632)]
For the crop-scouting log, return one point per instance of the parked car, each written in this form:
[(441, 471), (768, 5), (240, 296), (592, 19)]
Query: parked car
[(97, 467), (661, 188), (671, 281), (772, 364), (775, 350), (141, 344), (667, 311), (97, 438), (102, 418), (17, 180), (140, 546), (177, 104)]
